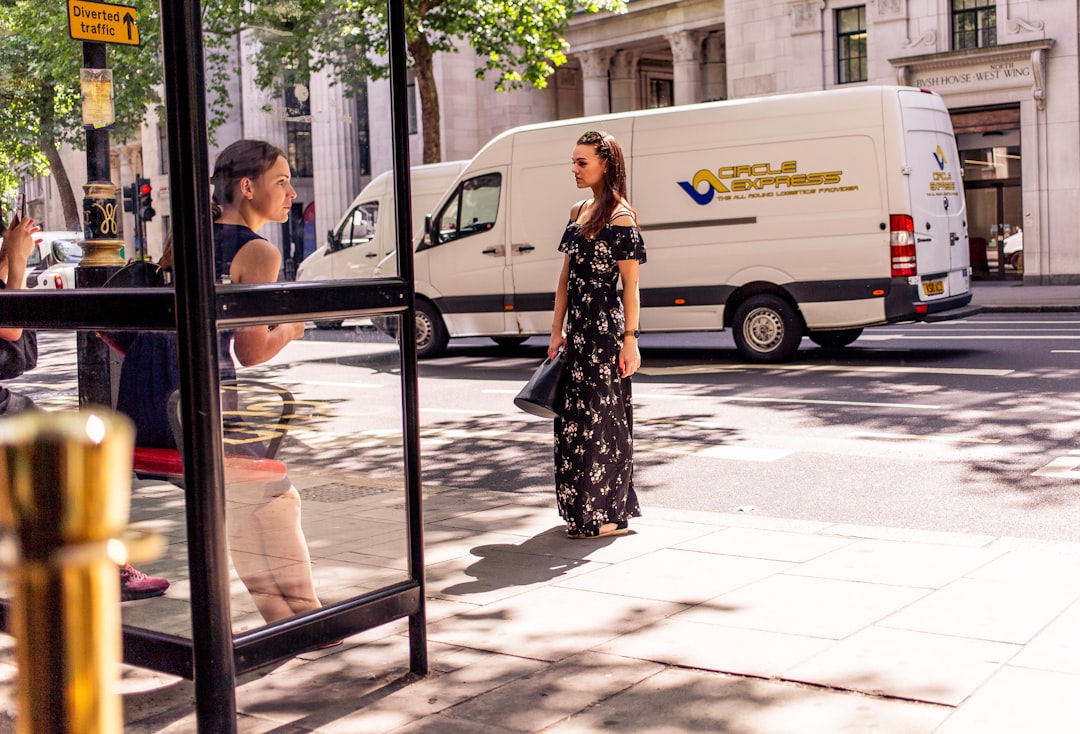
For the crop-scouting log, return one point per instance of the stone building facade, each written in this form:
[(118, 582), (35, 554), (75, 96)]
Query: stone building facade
[(1008, 70)]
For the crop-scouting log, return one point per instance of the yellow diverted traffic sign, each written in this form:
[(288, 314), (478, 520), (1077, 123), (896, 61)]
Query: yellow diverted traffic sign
[(102, 22)]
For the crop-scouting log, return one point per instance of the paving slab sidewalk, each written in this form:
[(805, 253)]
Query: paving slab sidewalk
[(694, 622)]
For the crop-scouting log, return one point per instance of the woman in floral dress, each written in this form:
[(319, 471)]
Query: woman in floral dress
[(594, 449)]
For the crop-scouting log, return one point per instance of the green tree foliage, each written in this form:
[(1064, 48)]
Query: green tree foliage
[(40, 97), (518, 42)]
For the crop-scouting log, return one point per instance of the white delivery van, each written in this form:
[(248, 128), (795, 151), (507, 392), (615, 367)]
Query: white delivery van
[(811, 214), (367, 232)]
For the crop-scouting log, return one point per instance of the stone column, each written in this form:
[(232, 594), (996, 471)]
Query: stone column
[(594, 66), (263, 114), (334, 148), (686, 52), (715, 68), (624, 81)]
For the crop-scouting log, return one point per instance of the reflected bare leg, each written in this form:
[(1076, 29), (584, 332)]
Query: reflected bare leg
[(269, 550)]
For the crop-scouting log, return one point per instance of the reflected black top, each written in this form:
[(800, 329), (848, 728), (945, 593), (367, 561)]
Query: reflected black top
[(228, 239), (151, 373)]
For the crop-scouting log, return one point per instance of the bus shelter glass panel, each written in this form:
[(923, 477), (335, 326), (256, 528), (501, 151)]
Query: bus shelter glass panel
[(333, 402), (312, 445), (320, 521)]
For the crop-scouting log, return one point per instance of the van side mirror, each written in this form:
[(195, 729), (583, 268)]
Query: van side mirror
[(429, 237), (332, 240)]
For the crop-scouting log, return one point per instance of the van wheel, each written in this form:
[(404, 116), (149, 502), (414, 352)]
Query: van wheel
[(835, 339), (509, 342), (767, 329), (431, 336), (329, 324)]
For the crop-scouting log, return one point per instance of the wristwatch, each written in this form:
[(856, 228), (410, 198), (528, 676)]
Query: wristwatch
[(632, 332)]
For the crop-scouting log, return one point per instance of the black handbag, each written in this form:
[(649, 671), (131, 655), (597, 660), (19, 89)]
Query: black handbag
[(18, 356), (541, 393)]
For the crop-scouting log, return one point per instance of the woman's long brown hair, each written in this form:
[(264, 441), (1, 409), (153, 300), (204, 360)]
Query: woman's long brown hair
[(614, 190)]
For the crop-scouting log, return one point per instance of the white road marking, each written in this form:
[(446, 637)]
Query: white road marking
[(691, 369), (801, 401), (952, 337), (744, 453), (434, 435), (1063, 467), (326, 383), (755, 399), (948, 438), (963, 324)]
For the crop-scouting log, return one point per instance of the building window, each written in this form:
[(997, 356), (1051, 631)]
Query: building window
[(363, 130), (661, 93), (851, 45), (163, 148), (974, 23), (411, 77), (299, 148), (298, 126)]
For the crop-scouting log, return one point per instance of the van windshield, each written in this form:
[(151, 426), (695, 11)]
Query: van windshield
[(359, 227), (473, 208)]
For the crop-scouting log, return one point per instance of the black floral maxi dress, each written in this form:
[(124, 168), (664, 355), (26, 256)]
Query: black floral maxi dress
[(594, 449)]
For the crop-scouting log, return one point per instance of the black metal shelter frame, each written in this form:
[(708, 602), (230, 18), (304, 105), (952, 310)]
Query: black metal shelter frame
[(197, 309)]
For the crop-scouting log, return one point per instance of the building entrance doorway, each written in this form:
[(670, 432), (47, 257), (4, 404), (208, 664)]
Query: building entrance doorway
[(994, 229), (989, 145)]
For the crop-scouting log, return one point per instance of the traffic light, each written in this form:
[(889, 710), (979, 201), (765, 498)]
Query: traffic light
[(131, 198), (146, 209)]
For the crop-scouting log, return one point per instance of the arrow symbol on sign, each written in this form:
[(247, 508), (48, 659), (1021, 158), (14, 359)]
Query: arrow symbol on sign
[(129, 21)]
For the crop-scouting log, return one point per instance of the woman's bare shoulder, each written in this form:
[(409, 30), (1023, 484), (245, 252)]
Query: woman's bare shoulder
[(624, 215), (575, 210), (256, 262)]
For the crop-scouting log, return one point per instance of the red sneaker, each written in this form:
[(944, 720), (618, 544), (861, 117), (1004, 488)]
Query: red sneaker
[(134, 584)]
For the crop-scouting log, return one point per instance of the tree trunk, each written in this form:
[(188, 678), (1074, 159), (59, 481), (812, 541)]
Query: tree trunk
[(72, 214), (429, 98)]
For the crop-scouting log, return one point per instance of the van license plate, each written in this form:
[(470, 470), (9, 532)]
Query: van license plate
[(933, 287)]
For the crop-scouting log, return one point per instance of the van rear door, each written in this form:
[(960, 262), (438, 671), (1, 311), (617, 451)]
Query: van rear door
[(936, 194)]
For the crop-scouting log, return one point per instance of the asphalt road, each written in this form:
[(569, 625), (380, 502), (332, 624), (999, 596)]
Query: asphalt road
[(964, 426)]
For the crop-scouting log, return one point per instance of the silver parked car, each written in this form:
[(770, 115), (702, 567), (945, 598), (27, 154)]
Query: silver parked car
[(52, 261)]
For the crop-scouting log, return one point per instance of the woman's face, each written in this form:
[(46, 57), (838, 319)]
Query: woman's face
[(589, 169), (271, 193)]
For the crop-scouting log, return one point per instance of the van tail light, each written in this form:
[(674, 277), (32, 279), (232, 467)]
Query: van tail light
[(57, 281), (902, 245)]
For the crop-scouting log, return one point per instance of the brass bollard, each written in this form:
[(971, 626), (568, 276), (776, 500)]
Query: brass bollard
[(65, 483)]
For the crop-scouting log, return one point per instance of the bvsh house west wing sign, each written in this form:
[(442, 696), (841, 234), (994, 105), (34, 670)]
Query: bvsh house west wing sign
[(973, 70)]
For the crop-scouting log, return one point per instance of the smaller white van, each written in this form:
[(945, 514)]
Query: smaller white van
[(366, 234)]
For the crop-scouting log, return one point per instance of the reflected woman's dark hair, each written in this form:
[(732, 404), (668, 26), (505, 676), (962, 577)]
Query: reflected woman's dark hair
[(240, 160), (608, 150)]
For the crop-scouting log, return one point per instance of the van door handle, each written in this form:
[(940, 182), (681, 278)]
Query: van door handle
[(497, 251), (524, 248), (372, 254), (953, 238)]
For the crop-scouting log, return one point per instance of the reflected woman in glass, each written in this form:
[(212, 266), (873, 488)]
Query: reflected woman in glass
[(252, 187)]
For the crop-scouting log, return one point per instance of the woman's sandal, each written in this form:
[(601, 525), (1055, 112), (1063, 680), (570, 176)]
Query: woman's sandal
[(621, 528)]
